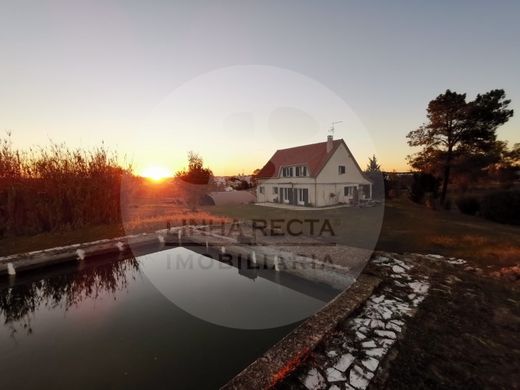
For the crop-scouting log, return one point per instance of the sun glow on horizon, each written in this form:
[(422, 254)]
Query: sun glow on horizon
[(156, 173)]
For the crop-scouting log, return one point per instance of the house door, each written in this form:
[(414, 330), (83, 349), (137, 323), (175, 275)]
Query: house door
[(302, 196), (292, 195)]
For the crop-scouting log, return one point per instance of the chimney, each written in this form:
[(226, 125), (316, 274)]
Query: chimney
[(329, 143)]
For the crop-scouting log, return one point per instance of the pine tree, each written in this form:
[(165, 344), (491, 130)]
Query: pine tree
[(457, 129)]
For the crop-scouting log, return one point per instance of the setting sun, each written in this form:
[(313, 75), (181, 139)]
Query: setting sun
[(156, 173)]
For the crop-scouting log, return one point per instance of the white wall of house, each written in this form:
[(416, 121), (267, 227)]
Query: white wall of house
[(330, 174), (331, 183)]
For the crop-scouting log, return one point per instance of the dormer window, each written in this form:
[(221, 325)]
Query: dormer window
[(301, 170), (294, 171), (341, 169), (287, 171)]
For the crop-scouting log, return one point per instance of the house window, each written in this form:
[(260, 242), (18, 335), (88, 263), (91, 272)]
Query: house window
[(275, 190), (285, 194), (301, 170), (348, 191), (261, 189), (303, 196), (287, 171), (341, 169)]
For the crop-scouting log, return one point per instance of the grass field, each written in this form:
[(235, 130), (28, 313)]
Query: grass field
[(401, 226), (407, 227)]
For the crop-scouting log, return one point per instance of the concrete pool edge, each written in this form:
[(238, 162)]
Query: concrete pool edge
[(11, 264), (284, 357), (337, 276)]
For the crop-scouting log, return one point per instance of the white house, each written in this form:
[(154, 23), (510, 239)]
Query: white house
[(321, 174)]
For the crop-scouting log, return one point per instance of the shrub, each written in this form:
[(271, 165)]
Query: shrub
[(502, 206), (422, 184), (469, 205)]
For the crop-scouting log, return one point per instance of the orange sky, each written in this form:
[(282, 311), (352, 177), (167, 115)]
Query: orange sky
[(154, 81)]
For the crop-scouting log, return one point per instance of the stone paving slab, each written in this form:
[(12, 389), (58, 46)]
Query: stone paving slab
[(352, 355)]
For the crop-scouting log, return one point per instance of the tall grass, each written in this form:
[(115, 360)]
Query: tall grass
[(57, 188)]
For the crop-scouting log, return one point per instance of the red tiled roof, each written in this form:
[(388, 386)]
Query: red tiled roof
[(314, 156)]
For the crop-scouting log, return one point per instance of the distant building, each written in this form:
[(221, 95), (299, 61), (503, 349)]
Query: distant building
[(321, 174), (232, 183)]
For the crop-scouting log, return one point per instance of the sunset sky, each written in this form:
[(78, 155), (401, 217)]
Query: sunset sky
[(235, 81)]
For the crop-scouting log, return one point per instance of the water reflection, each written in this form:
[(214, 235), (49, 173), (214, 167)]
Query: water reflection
[(61, 289), (231, 293), (112, 316)]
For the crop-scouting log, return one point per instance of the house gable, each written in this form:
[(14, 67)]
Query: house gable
[(341, 157)]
